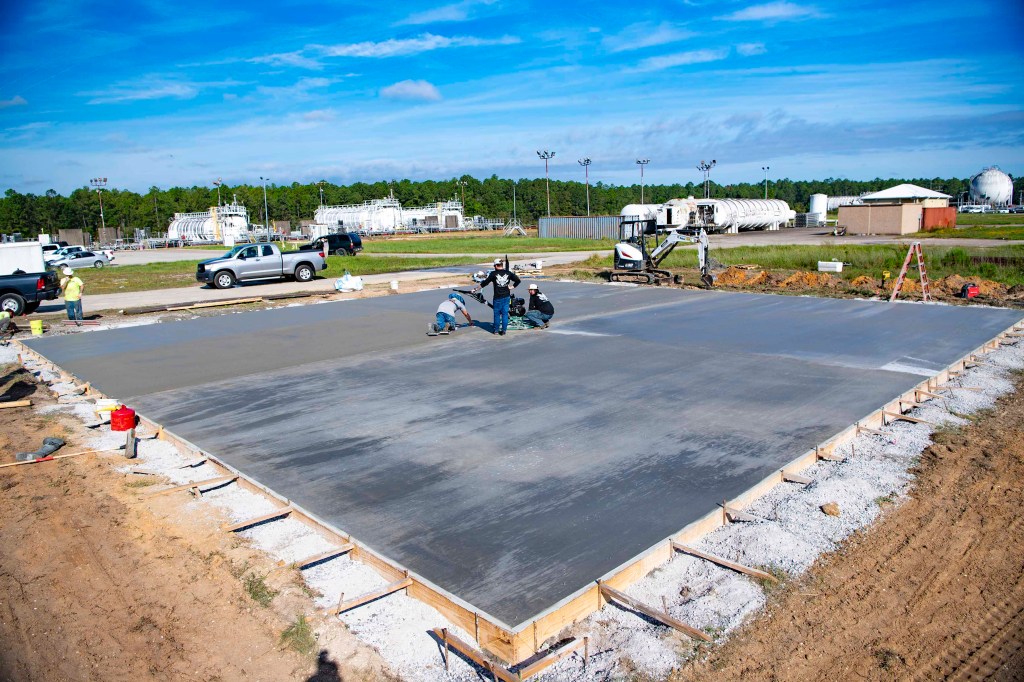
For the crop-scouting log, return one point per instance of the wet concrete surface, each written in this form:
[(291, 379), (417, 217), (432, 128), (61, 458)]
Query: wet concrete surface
[(514, 471)]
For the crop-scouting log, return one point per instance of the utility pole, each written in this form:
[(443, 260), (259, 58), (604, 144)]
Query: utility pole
[(99, 184), (705, 168), (266, 211), (642, 163), (585, 162), (766, 169), (547, 184), (462, 184)]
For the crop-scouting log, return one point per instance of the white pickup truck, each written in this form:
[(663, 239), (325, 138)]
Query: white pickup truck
[(259, 261)]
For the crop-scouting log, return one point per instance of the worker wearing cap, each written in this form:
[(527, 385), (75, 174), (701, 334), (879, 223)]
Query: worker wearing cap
[(504, 282), (445, 315), (72, 287), (541, 309)]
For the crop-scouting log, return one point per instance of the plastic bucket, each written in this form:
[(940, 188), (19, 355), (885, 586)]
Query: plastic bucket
[(394, 285), (37, 327)]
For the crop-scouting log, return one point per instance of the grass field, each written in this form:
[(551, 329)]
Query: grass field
[(990, 218), (1003, 264), (123, 278), (981, 232)]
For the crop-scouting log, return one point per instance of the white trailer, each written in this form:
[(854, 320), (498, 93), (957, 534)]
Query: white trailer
[(25, 257)]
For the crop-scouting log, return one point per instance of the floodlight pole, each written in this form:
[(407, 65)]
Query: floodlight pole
[(585, 162), (99, 184), (547, 183), (515, 217), (705, 167), (462, 184), (217, 183), (266, 210), (321, 185), (642, 163), (766, 169)]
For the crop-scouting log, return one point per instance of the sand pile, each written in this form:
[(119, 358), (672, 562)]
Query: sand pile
[(864, 282), (808, 280), (732, 277)]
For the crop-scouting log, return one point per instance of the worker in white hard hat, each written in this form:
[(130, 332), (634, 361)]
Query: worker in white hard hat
[(541, 309), (72, 287), (504, 282)]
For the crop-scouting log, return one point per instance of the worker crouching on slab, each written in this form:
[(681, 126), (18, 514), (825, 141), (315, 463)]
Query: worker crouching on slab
[(445, 317), (503, 282), (541, 309), (72, 287)]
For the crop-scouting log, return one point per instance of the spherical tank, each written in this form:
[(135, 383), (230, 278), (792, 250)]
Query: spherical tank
[(991, 186)]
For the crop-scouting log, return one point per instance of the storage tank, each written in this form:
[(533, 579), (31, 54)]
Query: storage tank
[(731, 215), (835, 202), (819, 206), (642, 211), (229, 222), (376, 216), (992, 186)]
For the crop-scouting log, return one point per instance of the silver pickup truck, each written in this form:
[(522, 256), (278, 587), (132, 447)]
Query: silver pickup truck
[(259, 261)]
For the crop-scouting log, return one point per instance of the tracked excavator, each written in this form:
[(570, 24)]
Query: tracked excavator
[(635, 261)]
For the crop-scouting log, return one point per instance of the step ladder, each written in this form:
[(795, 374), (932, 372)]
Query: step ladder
[(915, 250)]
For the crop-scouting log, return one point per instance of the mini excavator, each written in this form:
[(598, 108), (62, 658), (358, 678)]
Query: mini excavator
[(635, 261)]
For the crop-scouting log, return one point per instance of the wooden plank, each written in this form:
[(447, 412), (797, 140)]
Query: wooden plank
[(796, 478), (322, 556), (193, 464), (897, 415), (474, 655), (370, 596), (738, 515), (554, 657), (873, 432), (928, 394), (715, 559), (220, 480), (623, 598), (957, 388), (276, 514), (15, 403), (215, 304)]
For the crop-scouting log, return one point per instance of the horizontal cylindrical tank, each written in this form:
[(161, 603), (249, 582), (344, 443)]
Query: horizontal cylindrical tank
[(731, 214), (220, 223), (819, 205), (641, 211), (835, 202)]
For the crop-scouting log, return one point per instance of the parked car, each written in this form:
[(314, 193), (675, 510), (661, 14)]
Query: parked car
[(62, 252), (82, 259), (336, 244), (259, 261)]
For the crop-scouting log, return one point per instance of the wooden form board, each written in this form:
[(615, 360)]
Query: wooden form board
[(715, 559), (615, 595), (371, 596), (521, 643)]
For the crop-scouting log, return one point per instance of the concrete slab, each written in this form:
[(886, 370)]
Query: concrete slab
[(513, 471)]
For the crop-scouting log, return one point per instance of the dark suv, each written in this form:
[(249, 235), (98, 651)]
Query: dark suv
[(337, 244)]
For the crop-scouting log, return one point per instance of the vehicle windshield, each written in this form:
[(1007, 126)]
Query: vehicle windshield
[(233, 251)]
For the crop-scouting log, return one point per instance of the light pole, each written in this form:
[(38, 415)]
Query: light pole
[(515, 217), (217, 183), (547, 184), (642, 163), (321, 184), (585, 162), (462, 184), (266, 211), (766, 169), (705, 168), (99, 184)]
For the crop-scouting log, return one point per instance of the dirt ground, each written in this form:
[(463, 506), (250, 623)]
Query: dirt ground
[(934, 590), (100, 583)]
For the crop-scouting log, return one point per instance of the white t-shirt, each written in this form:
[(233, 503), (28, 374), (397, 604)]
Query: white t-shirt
[(451, 306)]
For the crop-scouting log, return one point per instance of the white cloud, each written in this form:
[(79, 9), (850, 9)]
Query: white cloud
[(681, 59), (16, 101), (458, 11), (410, 89), (409, 46), (773, 11), (153, 87), (646, 34), (299, 89), (296, 59), (751, 49)]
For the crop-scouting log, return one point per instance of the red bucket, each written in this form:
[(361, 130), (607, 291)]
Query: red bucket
[(122, 419)]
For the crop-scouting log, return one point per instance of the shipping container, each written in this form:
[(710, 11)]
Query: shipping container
[(579, 227)]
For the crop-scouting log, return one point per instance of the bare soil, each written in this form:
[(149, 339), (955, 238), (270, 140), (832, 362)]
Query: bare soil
[(101, 583), (934, 590)]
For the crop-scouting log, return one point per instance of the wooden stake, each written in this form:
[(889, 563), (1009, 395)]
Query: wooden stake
[(371, 596), (553, 657), (15, 403), (724, 562), (210, 482), (276, 514), (898, 416), (322, 556), (622, 598), (476, 656)]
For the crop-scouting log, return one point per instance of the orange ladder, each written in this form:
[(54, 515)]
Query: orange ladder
[(915, 249)]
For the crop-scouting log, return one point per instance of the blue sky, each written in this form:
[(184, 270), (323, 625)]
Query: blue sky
[(160, 93)]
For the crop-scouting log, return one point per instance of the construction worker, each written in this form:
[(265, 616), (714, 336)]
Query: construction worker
[(72, 287), (446, 315), (504, 282), (541, 309)]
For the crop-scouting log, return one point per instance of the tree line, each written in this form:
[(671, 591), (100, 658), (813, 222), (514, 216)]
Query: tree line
[(32, 214)]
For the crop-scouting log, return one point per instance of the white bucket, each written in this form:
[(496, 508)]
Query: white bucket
[(394, 285)]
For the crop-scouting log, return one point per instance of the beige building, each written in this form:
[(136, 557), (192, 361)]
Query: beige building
[(898, 210)]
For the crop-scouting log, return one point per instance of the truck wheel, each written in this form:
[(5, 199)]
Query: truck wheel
[(31, 307), (224, 279), (98, 264), (12, 303), (304, 273)]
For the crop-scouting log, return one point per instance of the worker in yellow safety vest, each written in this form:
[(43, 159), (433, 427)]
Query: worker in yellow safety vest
[(72, 287)]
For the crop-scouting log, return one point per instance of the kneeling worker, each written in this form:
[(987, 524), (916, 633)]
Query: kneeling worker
[(446, 314), (541, 310)]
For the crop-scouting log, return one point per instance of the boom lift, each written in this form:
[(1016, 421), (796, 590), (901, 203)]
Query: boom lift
[(634, 262)]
